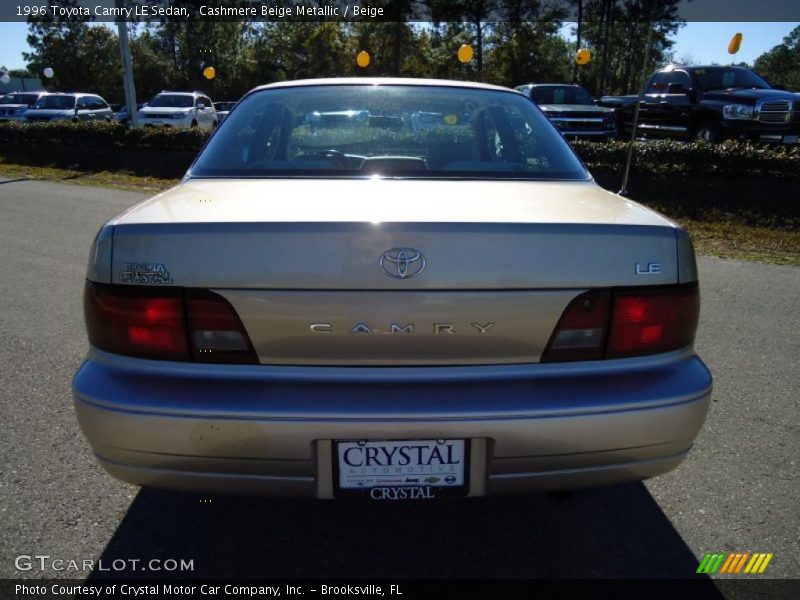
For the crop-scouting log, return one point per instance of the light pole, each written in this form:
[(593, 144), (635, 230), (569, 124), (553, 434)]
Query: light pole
[(127, 68), (639, 99)]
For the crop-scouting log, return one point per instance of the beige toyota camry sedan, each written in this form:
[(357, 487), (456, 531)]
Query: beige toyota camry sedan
[(389, 289)]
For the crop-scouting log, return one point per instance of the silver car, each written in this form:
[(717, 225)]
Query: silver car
[(332, 307), (573, 111), (14, 105), (69, 107)]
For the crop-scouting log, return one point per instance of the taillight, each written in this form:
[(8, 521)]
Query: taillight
[(581, 332), (629, 322), (165, 324), (215, 331), (653, 321), (136, 321)]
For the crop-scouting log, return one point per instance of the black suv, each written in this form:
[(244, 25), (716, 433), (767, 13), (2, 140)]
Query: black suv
[(712, 104)]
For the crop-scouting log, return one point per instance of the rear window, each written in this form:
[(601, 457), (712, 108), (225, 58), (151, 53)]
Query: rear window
[(388, 130), (56, 102), (172, 101), (29, 99), (561, 95)]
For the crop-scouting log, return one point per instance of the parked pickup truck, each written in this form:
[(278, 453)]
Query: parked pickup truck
[(711, 104), (572, 110)]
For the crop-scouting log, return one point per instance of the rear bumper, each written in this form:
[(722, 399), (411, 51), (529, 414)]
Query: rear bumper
[(268, 430)]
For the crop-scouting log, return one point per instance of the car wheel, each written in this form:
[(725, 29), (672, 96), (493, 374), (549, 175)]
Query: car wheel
[(214, 125), (706, 132), (194, 124)]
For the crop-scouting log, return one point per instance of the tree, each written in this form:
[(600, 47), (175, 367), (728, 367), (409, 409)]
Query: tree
[(476, 14), (615, 31), (83, 58), (526, 46), (781, 65)]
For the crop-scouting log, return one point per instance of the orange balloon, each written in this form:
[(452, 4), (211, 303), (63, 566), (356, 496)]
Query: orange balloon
[(465, 53), (362, 59), (736, 41), (583, 56), (209, 72)]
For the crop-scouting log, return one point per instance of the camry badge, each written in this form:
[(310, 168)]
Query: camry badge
[(402, 263)]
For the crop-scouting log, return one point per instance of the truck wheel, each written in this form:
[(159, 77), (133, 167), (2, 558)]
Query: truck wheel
[(706, 132)]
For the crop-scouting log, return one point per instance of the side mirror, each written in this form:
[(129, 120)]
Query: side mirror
[(677, 88)]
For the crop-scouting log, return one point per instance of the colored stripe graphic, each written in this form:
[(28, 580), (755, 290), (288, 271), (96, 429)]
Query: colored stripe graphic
[(741, 562), (734, 562), (731, 560), (703, 564)]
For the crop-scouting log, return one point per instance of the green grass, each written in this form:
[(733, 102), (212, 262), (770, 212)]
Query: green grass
[(724, 238), (114, 180), (744, 242)]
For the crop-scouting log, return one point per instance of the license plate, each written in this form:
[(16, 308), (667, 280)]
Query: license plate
[(401, 469), (790, 139)]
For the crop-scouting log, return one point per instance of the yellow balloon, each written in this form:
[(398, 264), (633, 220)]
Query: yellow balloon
[(362, 59), (736, 41), (465, 53), (583, 56), (209, 72)]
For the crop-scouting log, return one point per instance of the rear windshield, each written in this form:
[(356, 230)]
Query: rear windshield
[(29, 99), (565, 94), (172, 101), (57, 102), (388, 130)]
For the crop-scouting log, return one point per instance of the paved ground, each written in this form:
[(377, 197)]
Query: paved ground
[(737, 491)]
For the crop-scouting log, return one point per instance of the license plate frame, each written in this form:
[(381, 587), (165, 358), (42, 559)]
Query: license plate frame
[(413, 490)]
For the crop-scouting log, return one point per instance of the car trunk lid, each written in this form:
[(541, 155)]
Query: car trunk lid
[(365, 272)]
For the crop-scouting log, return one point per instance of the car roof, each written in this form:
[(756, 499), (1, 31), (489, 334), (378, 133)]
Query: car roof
[(554, 85), (384, 81), (695, 67), (69, 94)]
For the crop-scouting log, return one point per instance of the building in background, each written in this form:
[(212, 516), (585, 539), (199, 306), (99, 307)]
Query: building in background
[(21, 84)]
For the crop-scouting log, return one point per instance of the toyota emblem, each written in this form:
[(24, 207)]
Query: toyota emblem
[(402, 263)]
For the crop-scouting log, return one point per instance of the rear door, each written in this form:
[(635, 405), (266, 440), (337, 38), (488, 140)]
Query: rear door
[(98, 108), (205, 115), (211, 112)]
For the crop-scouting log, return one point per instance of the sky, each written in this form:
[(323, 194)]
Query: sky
[(703, 42)]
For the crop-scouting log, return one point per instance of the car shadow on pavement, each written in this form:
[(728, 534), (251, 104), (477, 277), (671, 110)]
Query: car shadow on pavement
[(611, 532)]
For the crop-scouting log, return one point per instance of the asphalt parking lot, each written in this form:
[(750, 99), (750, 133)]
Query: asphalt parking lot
[(738, 490)]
